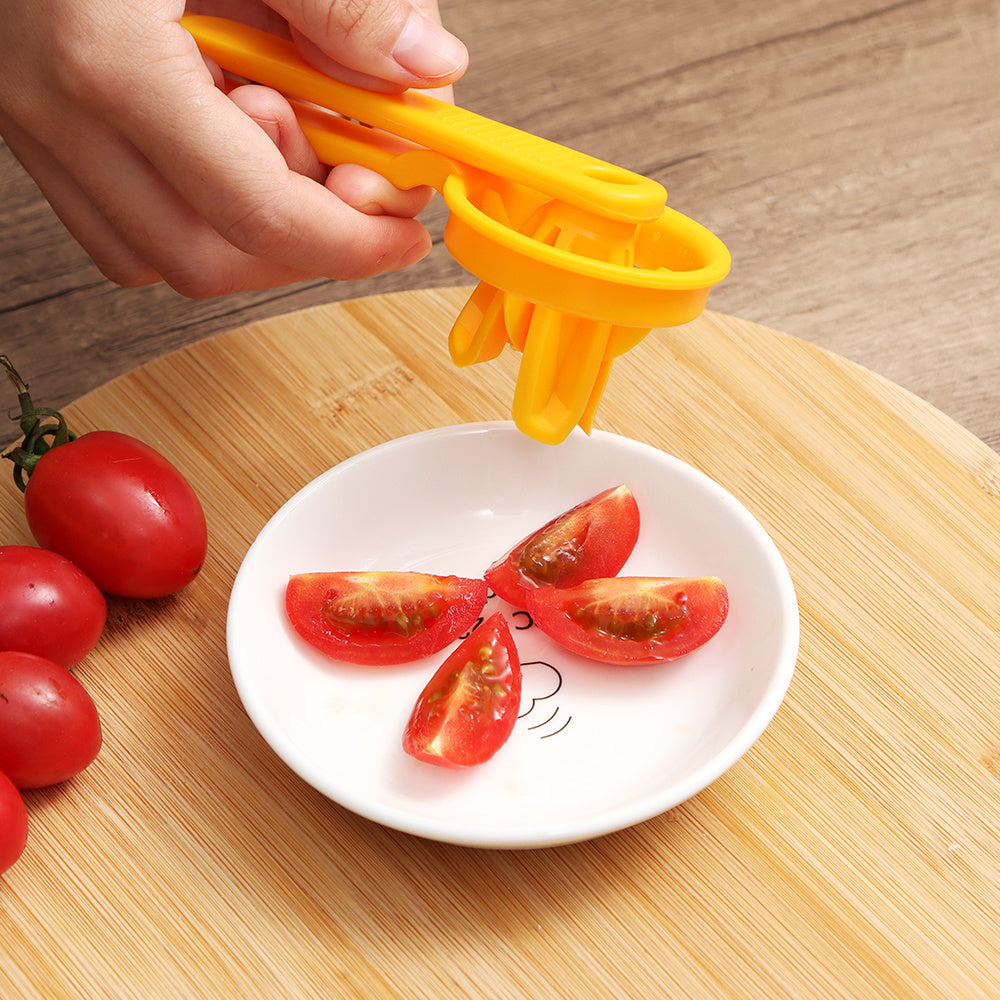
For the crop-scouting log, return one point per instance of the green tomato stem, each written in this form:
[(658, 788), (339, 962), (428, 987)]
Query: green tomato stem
[(43, 429)]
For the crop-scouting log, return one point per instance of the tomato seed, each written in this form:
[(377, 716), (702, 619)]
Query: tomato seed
[(548, 563), (349, 617), (632, 624)]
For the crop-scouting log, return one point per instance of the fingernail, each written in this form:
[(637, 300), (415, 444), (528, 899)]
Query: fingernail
[(271, 129), (426, 50)]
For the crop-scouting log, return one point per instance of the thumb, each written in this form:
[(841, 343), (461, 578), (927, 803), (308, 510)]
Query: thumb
[(380, 44)]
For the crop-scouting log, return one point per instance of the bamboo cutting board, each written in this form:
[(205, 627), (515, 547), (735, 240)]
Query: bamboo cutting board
[(853, 852)]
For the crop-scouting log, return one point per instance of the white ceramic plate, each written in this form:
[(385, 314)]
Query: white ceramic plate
[(597, 748)]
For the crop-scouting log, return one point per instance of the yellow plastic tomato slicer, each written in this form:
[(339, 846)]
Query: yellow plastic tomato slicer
[(577, 259)]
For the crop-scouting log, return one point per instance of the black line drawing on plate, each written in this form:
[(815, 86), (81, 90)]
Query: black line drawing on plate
[(551, 683)]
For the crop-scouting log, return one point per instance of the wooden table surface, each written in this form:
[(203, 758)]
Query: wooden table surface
[(846, 153)]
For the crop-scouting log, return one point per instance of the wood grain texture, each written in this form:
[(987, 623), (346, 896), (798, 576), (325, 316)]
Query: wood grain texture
[(853, 852), (846, 153)]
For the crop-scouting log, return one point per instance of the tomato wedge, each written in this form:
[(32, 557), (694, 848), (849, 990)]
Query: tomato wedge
[(592, 539), (380, 618), (633, 619), (467, 711)]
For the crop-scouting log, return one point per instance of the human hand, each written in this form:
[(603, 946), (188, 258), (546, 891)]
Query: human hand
[(162, 175)]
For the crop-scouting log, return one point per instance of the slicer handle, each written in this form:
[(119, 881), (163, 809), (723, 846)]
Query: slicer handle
[(339, 140), (462, 135)]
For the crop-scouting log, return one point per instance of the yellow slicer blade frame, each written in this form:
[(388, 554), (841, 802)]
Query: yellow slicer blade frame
[(577, 258)]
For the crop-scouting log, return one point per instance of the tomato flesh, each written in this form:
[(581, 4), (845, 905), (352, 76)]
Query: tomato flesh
[(625, 620), (120, 511), (49, 726), (48, 606), (13, 823), (468, 709), (372, 617), (592, 539)]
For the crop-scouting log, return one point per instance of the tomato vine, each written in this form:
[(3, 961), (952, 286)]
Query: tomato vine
[(42, 426)]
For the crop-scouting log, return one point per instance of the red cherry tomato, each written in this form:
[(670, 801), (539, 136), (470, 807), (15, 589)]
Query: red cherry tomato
[(382, 617), (467, 711), (120, 511), (13, 823), (593, 539), (49, 726), (47, 606), (632, 619)]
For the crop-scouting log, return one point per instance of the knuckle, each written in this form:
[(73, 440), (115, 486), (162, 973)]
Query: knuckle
[(346, 16), (258, 227), (355, 20), (85, 74)]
